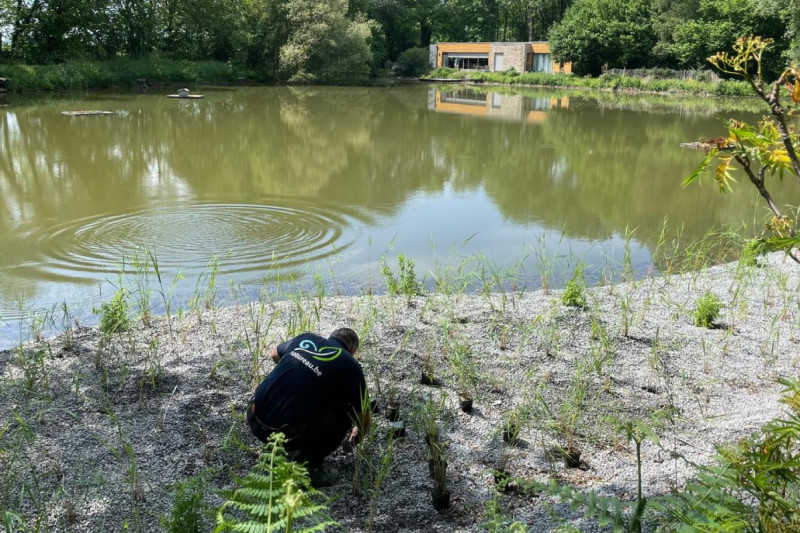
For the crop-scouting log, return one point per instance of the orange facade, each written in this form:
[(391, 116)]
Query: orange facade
[(531, 51)]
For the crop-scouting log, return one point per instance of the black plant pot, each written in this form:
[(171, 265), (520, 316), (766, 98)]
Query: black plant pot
[(427, 378), (440, 498), (465, 402), (392, 412), (572, 458)]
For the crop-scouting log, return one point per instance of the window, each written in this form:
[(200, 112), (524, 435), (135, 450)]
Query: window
[(466, 61), (542, 63)]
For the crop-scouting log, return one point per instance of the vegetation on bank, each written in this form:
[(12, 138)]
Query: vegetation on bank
[(120, 72), (130, 386), (341, 42), (606, 81)]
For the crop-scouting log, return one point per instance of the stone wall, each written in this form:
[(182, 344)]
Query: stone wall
[(513, 55), (432, 54)]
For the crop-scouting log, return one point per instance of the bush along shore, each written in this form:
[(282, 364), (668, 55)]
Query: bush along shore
[(497, 411), (119, 72), (610, 82)]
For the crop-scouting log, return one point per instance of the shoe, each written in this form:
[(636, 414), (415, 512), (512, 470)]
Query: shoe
[(323, 476)]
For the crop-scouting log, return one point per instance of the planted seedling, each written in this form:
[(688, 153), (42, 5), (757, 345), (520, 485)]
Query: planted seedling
[(427, 376), (440, 495), (428, 416), (464, 367), (511, 429), (392, 407), (707, 310), (574, 294)]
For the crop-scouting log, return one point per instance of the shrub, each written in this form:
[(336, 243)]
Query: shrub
[(114, 317), (574, 294), (405, 282), (707, 310), (413, 62)]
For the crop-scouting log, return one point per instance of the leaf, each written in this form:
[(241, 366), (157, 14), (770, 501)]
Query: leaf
[(695, 176)]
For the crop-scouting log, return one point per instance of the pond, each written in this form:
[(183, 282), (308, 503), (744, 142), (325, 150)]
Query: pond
[(320, 183)]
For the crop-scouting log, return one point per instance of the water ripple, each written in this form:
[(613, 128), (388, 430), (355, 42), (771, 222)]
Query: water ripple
[(244, 237)]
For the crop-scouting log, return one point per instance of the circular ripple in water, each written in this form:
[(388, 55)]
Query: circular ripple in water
[(244, 237)]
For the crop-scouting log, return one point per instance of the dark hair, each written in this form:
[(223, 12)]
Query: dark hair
[(348, 337)]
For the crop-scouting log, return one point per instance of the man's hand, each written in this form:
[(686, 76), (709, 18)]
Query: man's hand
[(354, 438), (274, 355)]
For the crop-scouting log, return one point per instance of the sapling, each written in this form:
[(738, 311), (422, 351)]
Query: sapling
[(707, 310), (514, 421), (405, 282), (574, 294)]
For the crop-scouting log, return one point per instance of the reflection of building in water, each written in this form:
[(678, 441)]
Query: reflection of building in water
[(495, 105), (496, 57)]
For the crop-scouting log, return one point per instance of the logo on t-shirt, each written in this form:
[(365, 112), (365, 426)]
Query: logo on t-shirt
[(324, 354)]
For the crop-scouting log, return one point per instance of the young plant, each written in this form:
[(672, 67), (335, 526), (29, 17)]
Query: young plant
[(188, 508), (460, 356), (563, 422), (114, 313), (514, 421), (403, 283), (437, 460), (273, 496), (574, 294), (707, 310)]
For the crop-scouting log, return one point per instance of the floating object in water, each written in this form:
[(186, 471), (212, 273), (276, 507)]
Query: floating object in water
[(86, 113), (184, 93)]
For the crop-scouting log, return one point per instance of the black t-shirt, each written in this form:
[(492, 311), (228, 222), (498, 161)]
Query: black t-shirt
[(314, 377)]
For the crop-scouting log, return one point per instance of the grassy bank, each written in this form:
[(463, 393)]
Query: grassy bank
[(121, 72), (609, 82), (135, 424)]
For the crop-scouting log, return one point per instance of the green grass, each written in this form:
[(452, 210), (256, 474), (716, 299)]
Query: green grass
[(119, 72), (606, 81)]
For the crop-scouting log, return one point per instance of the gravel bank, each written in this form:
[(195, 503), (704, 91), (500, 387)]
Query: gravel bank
[(167, 397)]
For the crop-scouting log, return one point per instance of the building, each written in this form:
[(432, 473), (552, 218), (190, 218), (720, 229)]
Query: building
[(496, 57)]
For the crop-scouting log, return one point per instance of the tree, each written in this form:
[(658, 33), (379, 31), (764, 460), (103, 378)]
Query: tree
[(764, 151), (597, 32), (717, 25), (324, 46)]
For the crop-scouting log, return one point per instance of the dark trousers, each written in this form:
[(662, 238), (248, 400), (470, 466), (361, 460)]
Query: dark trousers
[(310, 442)]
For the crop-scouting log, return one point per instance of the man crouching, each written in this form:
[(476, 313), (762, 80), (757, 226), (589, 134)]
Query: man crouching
[(314, 397)]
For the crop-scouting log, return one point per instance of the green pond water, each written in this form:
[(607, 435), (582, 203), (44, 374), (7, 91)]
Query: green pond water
[(321, 182)]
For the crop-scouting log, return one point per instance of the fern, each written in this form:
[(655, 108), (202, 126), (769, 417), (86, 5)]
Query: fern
[(276, 495)]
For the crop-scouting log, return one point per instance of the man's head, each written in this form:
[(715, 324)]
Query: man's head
[(348, 337)]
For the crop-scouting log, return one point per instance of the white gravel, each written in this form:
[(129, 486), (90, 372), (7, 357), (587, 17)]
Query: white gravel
[(66, 438)]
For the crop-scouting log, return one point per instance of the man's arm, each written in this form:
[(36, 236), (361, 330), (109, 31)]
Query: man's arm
[(279, 351), (363, 421)]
